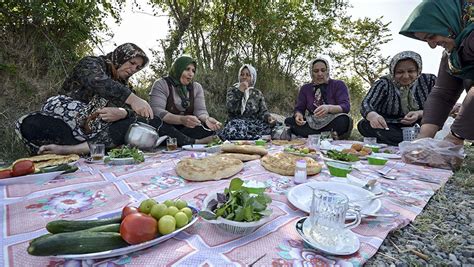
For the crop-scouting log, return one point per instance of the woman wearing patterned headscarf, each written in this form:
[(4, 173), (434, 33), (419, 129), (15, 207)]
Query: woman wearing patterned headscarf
[(97, 105), (448, 24), (396, 100), (249, 118), (180, 103), (327, 102)]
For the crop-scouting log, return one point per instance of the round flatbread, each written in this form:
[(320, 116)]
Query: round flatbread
[(296, 142), (285, 164), (207, 169), (46, 160), (242, 157), (244, 149)]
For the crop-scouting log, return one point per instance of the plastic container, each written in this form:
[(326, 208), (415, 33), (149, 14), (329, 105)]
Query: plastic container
[(260, 142), (338, 169), (375, 148), (254, 187), (376, 160), (301, 175), (410, 133)]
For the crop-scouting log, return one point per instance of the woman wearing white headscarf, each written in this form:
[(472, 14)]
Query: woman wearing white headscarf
[(396, 100), (248, 116), (327, 102)]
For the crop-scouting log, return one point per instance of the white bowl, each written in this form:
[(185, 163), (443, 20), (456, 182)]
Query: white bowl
[(238, 228)]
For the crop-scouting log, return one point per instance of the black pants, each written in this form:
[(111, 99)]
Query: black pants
[(342, 125), (393, 136), (183, 134)]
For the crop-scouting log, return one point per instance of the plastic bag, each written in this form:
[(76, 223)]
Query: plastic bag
[(431, 152)]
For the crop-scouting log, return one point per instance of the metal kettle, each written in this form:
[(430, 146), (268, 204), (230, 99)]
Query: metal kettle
[(143, 136)]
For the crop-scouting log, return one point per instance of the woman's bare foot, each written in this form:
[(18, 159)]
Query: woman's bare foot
[(81, 148), (205, 140)]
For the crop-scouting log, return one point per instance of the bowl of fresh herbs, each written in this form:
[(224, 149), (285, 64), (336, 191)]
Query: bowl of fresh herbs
[(237, 210), (124, 155)]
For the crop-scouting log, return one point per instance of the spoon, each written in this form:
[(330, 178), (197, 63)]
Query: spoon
[(370, 184)]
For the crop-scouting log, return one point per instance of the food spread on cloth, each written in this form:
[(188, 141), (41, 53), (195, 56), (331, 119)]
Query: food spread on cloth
[(244, 149), (296, 142), (240, 156)]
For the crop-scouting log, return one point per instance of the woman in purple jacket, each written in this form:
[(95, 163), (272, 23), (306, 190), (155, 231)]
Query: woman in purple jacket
[(327, 102)]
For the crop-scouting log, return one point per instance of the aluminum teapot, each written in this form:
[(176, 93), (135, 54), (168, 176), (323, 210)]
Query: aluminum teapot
[(143, 136)]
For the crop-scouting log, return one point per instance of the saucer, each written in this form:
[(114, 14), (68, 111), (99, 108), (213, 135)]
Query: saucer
[(349, 245), (172, 151)]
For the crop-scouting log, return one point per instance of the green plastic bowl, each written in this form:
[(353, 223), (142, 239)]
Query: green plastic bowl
[(376, 160), (260, 142), (338, 169), (257, 188), (375, 148)]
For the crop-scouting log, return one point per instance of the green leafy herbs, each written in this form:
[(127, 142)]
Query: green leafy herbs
[(215, 142), (127, 152), (337, 155), (237, 204)]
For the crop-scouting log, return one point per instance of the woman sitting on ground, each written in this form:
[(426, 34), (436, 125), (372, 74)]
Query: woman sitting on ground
[(180, 103), (248, 118), (327, 102), (396, 100), (97, 105), (448, 24)]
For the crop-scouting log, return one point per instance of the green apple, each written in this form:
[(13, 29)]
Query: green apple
[(169, 203), (181, 219), (159, 210), (181, 204), (188, 212), (166, 224), (146, 205), (172, 210)]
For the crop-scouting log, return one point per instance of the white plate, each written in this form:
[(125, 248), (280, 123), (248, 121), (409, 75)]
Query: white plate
[(387, 155), (121, 161), (300, 195), (131, 248), (172, 151), (349, 245), (196, 147), (39, 178)]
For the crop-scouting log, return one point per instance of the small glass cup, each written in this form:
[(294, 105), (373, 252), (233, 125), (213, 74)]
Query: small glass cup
[(326, 136), (97, 151), (171, 144), (370, 140), (314, 141), (327, 217)]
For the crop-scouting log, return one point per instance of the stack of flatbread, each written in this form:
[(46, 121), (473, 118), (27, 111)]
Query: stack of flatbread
[(46, 160), (244, 149), (285, 164), (240, 156), (209, 168), (296, 142)]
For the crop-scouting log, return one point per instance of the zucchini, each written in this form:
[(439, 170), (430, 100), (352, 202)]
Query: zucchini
[(76, 243), (62, 226)]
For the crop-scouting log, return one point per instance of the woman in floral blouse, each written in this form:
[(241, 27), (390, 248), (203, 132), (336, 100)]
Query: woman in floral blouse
[(248, 116)]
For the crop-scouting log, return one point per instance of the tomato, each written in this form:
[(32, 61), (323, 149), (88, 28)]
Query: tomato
[(5, 174), (138, 227), (23, 167), (127, 210)]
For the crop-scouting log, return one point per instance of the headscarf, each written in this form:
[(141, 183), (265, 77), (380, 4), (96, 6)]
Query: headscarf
[(407, 99), (445, 18), (125, 52), (175, 72), (320, 89), (324, 59), (253, 80)]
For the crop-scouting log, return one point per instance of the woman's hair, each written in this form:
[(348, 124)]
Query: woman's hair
[(124, 53)]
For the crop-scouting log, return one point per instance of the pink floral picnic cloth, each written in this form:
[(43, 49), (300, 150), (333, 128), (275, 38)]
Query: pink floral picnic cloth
[(96, 190)]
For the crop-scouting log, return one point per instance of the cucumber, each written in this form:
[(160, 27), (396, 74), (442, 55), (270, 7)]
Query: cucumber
[(76, 243), (114, 227), (62, 226), (66, 168)]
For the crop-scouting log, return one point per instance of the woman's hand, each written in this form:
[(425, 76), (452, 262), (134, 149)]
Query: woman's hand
[(322, 111), (454, 112), (271, 121), (110, 114), (190, 121), (377, 121), (213, 124), (243, 86), (299, 119), (453, 139), (140, 106), (412, 117)]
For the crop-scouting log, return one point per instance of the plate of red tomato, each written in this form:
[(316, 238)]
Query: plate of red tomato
[(23, 172), (131, 248)]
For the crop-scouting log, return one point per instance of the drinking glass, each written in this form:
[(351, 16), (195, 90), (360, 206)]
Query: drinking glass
[(327, 217), (326, 136), (171, 144), (370, 140), (314, 140), (97, 151)]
